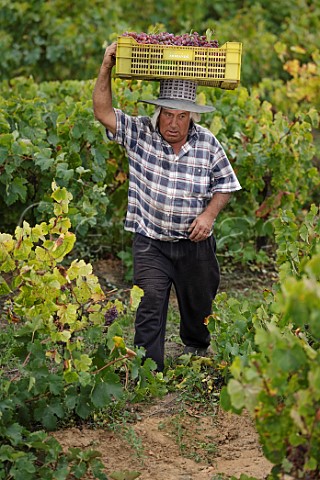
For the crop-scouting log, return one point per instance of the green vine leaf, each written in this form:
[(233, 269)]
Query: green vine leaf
[(104, 392)]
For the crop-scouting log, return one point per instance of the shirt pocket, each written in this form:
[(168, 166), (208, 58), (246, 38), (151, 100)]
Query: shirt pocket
[(194, 180)]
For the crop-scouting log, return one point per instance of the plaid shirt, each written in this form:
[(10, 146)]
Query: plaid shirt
[(168, 191)]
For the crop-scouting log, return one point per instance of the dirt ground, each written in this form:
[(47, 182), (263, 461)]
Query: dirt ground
[(153, 449), (163, 445)]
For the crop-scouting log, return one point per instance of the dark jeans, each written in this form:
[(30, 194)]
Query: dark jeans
[(194, 271)]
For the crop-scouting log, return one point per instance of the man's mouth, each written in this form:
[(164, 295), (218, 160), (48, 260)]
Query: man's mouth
[(172, 132)]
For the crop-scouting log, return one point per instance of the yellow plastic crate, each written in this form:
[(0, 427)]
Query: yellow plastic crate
[(208, 66)]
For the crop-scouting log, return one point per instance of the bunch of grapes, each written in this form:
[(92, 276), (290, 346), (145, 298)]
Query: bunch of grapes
[(165, 38), (111, 315)]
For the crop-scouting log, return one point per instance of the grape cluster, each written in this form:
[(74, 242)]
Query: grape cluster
[(165, 38), (111, 315)]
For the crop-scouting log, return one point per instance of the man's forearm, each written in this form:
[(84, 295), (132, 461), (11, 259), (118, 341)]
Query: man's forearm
[(216, 204), (102, 94)]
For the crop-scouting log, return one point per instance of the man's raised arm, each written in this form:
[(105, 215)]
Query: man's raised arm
[(102, 94)]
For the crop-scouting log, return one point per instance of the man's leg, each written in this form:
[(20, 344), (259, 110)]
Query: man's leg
[(196, 281), (152, 274)]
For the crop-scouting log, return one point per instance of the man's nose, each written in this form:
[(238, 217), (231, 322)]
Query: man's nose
[(173, 121)]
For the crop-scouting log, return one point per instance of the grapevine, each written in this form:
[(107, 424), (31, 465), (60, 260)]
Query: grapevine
[(165, 38)]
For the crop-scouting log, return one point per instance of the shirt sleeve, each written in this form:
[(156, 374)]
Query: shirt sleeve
[(223, 179), (127, 129)]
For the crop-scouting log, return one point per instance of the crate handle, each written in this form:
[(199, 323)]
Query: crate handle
[(178, 55)]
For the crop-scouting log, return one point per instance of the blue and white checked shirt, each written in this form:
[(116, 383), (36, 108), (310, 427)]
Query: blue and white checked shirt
[(168, 191)]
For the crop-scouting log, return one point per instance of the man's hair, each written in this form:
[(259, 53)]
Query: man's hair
[(195, 117)]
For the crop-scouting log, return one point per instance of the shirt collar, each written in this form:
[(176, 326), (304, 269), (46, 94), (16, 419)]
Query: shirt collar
[(193, 132)]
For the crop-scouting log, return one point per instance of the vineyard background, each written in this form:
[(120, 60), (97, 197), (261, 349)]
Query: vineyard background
[(62, 204)]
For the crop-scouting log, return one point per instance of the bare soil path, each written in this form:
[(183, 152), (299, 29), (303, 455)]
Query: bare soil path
[(154, 451)]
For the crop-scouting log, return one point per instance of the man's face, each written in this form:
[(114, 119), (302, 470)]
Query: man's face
[(174, 125)]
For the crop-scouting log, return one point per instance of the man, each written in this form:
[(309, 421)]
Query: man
[(179, 180)]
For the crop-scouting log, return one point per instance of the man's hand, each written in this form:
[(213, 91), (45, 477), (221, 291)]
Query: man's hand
[(201, 227), (109, 58)]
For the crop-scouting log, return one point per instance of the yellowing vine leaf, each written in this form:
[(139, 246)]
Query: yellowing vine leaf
[(63, 245), (78, 268), (83, 363), (136, 294), (59, 225), (6, 262), (118, 342), (7, 242), (62, 197), (68, 313)]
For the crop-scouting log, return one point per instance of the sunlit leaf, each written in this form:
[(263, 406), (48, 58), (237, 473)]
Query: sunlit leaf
[(83, 363), (118, 342), (237, 394), (136, 293)]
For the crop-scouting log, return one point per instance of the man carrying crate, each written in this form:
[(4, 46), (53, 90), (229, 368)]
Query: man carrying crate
[(179, 181)]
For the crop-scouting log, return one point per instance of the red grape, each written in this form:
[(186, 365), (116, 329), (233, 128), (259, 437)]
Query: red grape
[(165, 38)]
